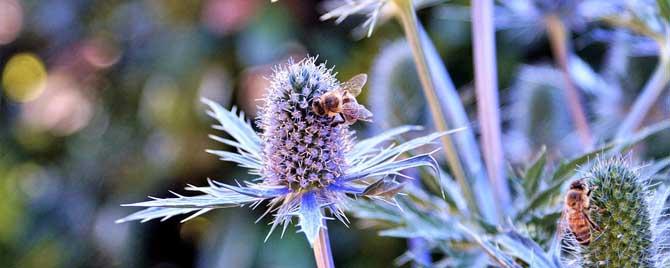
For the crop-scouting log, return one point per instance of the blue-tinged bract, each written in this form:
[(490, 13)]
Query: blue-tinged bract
[(306, 163)]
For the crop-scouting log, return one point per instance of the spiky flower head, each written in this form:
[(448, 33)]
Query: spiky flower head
[(629, 225), (301, 150), (306, 163)]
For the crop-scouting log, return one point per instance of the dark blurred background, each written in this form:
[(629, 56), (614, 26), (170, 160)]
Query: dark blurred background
[(99, 106)]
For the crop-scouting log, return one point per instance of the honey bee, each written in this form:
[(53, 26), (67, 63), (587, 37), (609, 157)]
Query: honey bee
[(341, 102), (576, 212)]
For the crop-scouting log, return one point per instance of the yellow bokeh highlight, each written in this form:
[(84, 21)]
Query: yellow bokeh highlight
[(24, 77)]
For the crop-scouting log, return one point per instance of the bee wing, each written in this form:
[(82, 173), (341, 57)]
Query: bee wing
[(355, 84), (562, 227), (363, 113)]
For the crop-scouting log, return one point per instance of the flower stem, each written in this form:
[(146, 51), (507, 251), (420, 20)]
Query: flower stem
[(559, 46), (321, 246), (486, 88), (409, 22), (650, 93)]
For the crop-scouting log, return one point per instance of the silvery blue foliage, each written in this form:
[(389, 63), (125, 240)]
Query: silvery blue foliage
[(305, 163), (375, 10), (450, 105), (396, 98)]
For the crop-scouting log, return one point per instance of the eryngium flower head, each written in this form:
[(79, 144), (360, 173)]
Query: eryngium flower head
[(625, 238), (301, 150), (306, 163), (631, 226)]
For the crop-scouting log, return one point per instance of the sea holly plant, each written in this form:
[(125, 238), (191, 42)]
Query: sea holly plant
[(529, 237), (307, 164)]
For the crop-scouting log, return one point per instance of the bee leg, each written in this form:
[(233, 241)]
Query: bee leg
[(597, 209), (338, 119), (592, 224), (590, 189), (348, 119)]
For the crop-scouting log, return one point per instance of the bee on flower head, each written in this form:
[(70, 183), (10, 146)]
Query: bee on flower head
[(342, 101), (306, 166), (576, 213)]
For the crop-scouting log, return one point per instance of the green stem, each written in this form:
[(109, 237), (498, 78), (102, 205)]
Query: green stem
[(409, 22), (652, 90), (322, 254)]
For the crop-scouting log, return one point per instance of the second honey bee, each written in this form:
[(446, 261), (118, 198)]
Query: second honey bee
[(342, 101), (576, 212)]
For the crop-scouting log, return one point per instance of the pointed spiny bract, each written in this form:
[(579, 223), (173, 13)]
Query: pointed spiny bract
[(301, 150), (620, 210)]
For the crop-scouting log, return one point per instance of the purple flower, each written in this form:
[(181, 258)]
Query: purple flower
[(307, 164)]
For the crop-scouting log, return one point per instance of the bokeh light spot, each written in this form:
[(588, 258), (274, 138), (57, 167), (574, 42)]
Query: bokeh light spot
[(11, 20), (228, 16), (63, 107), (24, 77), (100, 52)]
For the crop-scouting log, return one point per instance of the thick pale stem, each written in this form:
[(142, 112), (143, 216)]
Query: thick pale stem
[(559, 46), (486, 87), (409, 23), (652, 90), (322, 254)]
